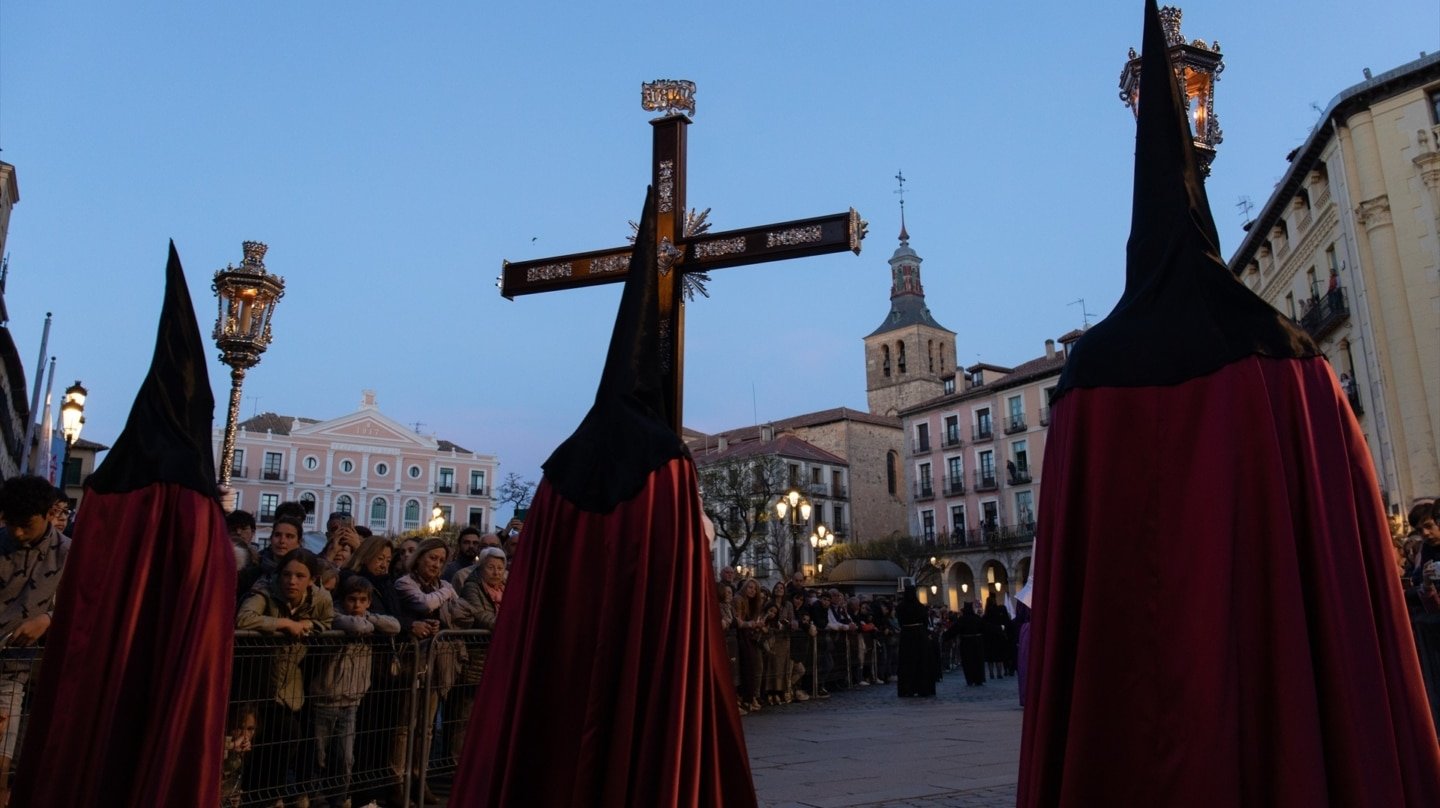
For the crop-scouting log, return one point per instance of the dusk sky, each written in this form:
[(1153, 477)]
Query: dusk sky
[(392, 155)]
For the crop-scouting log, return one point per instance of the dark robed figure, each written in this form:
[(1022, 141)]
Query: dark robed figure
[(1217, 619), (919, 664), (129, 706), (626, 698)]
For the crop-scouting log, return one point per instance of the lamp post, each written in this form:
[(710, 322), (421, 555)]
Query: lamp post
[(72, 419), (247, 295), (797, 508), (1197, 67), (820, 540), (437, 519)]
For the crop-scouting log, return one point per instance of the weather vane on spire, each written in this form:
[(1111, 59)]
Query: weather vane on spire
[(900, 177)]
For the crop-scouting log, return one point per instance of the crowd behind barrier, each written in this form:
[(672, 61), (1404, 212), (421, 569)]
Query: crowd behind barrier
[(355, 672)]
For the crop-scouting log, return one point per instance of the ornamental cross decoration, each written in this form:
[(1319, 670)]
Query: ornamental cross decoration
[(683, 244)]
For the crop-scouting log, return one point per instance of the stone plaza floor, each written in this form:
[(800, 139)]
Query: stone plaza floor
[(868, 747)]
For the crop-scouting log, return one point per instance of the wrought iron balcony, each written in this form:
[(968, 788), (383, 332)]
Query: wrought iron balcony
[(951, 439), (985, 480), (479, 491), (920, 445), (240, 473), (1353, 396), (1324, 314), (445, 488), (1015, 423), (924, 490), (1020, 475), (272, 475), (838, 491), (982, 431), (1044, 416), (954, 486)]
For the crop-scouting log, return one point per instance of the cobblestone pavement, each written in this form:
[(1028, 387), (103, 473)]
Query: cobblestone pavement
[(868, 747)]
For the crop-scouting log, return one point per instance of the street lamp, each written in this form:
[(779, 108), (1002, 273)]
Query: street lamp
[(72, 419), (820, 540), (437, 519), (1197, 67), (247, 295), (797, 508)]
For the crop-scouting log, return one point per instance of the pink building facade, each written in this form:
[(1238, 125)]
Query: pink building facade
[(365, 463), (973, 467)]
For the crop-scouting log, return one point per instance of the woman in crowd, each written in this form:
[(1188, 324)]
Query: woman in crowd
[(404, 555), (750, 621), (372, 562), (483, 593), (293, 606), (382, 713), (780, 622), (285, 536), (430, 605), (916, 676)]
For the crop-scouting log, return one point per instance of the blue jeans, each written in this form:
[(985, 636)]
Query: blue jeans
[(334, 733)]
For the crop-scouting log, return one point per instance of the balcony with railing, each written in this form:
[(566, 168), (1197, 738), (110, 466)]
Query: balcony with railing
[(273, 475), (445, 488), (951, 439), (240, 473), (841, 529), (924, 490), (985, 480), (920, 445), (954, 486), (838, 491), (479, 491), (1353, 396), (1015, 423), (1324, 314), (1018, 474), (983, 431), (1044, 416)]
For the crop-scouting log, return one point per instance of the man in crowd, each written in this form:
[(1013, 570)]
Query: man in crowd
[(32, 556), (467, 552)]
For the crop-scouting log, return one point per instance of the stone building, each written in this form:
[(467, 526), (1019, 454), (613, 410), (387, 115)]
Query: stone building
[(1349, 246), (364, 463), (14, 400)]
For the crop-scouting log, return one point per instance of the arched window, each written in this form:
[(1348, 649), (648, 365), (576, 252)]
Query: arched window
[(885, 352), (891, 462), (344, 504), (307, 500), (412, 514), (379, 513), (930, 354), (900, 354)]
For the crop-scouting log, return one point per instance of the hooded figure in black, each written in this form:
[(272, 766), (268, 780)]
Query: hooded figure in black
[(628, 699), (1216, 616), (136, 675)]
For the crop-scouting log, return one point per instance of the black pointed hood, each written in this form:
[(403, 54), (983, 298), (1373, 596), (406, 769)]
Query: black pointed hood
[(1183, 314), (627, 434), (167, 438)]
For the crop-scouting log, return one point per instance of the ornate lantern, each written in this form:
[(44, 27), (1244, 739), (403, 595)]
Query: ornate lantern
[(1197, 67)]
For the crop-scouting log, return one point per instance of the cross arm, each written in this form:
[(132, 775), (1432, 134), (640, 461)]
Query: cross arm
[(749, 245)]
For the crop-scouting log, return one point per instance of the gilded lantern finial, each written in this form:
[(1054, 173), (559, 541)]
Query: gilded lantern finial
[(668, 96)]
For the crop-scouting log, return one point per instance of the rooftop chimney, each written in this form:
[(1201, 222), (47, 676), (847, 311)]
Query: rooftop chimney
[(722, 445), (767, 433), (1049, 349)]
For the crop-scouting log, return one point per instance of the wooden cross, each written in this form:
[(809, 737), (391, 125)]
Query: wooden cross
[(677, 250)]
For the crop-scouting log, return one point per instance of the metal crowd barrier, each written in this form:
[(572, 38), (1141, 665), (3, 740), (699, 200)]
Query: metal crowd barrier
[(19, 667)]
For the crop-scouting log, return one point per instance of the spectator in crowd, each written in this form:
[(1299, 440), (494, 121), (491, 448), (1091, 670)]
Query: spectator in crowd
[(796, 585), (239, 740), (339, 684), (467, 553), (381, 713), (400, 566), (32, 558), (337, 520), (372, 562), (293, 606), (728, 575), (341, 540), (1423, 518), (284, 538), (241, 525), (750, 621), (781, 625), (484, 590), (727, 607), (60, 512), (887, 629), (430, 605)]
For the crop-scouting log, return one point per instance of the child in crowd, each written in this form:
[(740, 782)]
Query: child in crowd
[(238, 740), (336, 689)]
